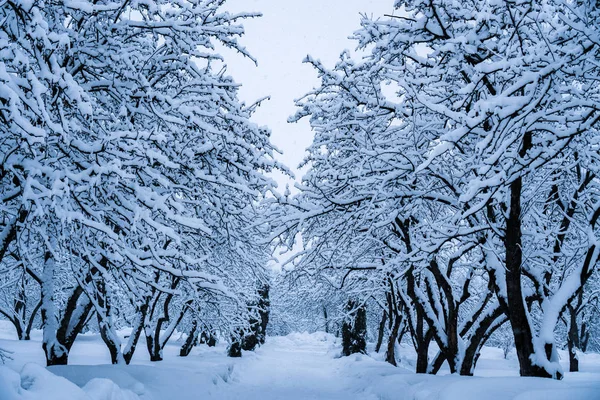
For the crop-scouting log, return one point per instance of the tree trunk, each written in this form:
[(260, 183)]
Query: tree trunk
[(153, 341), (436, 363), (359, 332), (264, 310), (490, 323), (20, 311), (422, 342), (77, 310), (573, 340), (31, 320), (584, 337), (422, 358), (208, 338), (191, 340), (107, 330), (346, 338), (390, 354), (9, 233), (381, 331), (517, 313), (136, 331), (354, 330), (56, 353), (110, 338), (235, 348)]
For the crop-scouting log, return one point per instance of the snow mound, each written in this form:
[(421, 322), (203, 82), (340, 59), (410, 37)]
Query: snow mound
[(37, 383), (376, 379), (104, 389)]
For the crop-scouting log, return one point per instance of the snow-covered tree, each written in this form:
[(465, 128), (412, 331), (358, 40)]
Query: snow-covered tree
[(455, 170), (127, 157)]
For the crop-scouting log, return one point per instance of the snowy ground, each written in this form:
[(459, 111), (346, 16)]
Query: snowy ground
[(298, 366)]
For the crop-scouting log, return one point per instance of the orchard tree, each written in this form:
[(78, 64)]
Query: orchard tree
[(455, 169), (126, 156)]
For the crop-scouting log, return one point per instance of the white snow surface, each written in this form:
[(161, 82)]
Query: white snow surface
[(297, 366)]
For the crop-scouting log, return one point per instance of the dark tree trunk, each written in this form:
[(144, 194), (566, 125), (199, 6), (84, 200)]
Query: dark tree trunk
[(153, 348), (381, 331), (249, 342), (326, 320), (208, 338), (486, 328), (20, 309), (29, 327), (103, 314), (347, 331), (191, 340), (437, 363), (517, 313), (77, 310), (153, 342), (136, 331), (258, 327), (360, 330), (235, 348), (354, 330), (573, 340), (54, 357), (9, 233), (584, 337), (423, 353), (111, 341), (390, 354), (212, 341), (264, 309)]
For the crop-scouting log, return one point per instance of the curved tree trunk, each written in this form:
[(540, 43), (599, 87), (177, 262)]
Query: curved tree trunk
[(517, 312), (381, 331), (107, 330), (390, 354), (136, 331), (191, 340)]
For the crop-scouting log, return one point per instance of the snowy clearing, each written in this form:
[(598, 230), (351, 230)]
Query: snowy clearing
[(297, 366)]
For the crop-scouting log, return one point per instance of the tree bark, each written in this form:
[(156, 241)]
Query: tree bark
[(422, 347), (191, 340), (56, 353), (381, 331), (153, 341), (573, 340), (517, 312), (136, 331), (235, 348), (354, 330), (107, 330), (77, 310), (390, 354)]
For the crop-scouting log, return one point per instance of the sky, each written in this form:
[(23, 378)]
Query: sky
[(280, 40)]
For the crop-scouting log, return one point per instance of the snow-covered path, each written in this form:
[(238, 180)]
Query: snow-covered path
[(285, 370), (299, 366)]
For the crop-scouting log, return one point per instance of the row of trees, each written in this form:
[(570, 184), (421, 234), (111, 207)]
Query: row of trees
[(453, 178), (131, 177)]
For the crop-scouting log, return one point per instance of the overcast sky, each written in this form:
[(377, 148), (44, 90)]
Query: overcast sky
[(287, 32)]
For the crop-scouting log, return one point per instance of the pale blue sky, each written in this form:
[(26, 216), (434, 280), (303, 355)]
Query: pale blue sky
[(288, 31)]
